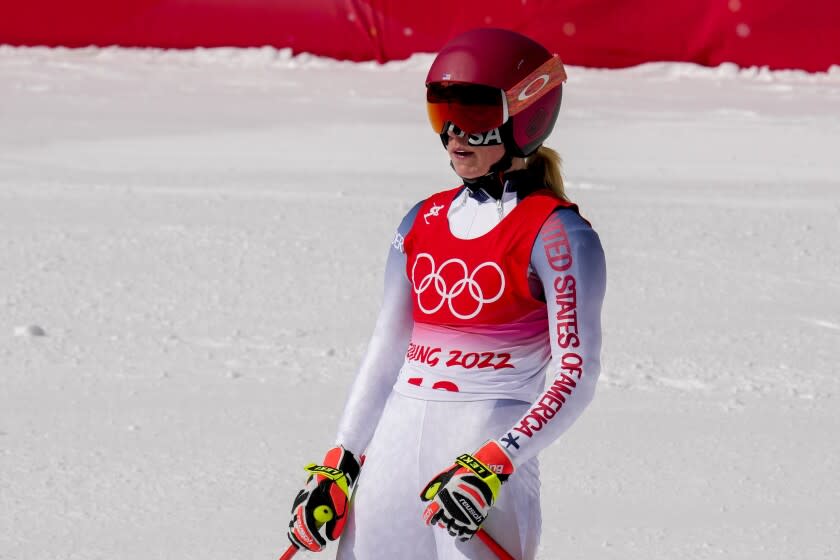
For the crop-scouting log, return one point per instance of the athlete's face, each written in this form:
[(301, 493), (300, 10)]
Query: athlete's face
[(471, 161)]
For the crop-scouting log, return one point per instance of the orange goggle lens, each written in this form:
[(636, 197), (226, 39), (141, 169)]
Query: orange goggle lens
[(471, 108)]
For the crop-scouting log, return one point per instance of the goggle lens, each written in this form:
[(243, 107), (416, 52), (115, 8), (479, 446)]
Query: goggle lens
[(472, 108)]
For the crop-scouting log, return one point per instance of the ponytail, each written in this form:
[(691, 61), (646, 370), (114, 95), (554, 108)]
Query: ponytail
[(546, 164)]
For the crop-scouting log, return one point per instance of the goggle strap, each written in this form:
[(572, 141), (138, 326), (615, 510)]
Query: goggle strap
[(524, 93)]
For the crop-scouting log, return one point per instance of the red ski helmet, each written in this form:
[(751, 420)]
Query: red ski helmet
[(496, 78)]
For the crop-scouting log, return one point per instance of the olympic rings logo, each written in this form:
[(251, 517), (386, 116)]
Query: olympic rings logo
[(434, 280)]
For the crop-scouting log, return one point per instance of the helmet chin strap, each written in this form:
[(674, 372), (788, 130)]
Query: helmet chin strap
[(493, 181)]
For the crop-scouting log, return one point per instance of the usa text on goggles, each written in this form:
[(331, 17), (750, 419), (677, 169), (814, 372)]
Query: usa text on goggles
[(477, 108)]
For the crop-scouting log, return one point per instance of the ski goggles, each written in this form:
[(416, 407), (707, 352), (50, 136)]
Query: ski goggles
[(478, 108)]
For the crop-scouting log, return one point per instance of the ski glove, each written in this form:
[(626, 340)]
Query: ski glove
[(461, 496), (324, 500)]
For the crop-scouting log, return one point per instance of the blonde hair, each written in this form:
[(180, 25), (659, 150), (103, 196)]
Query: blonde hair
[(547, 164)]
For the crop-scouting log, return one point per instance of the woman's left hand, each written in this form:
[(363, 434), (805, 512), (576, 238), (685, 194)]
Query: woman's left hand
[(461, 496)]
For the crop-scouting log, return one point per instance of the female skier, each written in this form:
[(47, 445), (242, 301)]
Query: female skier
[(488, 287)]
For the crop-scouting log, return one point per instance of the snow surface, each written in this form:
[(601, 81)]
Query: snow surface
[(191, 252)]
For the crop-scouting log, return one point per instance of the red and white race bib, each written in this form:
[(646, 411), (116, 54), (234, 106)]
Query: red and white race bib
[(478, 331)]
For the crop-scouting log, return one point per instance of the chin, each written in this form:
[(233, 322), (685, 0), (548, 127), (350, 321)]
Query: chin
[(469, 173)]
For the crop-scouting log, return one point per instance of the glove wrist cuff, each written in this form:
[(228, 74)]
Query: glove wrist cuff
[(495, 458), (343, 460)]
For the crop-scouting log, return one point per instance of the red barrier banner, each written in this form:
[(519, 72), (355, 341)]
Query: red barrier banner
[(601, 33)]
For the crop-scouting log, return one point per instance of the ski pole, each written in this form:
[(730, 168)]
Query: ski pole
[(491, 543), (485, 537), (291, 551)]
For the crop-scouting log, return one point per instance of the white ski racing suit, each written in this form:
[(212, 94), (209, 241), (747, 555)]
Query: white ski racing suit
[(484, 300)]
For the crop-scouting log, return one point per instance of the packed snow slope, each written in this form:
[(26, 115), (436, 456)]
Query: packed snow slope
[(191, 255)]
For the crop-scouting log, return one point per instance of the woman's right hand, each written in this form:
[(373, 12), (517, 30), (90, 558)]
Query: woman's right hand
[(324, 500)]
